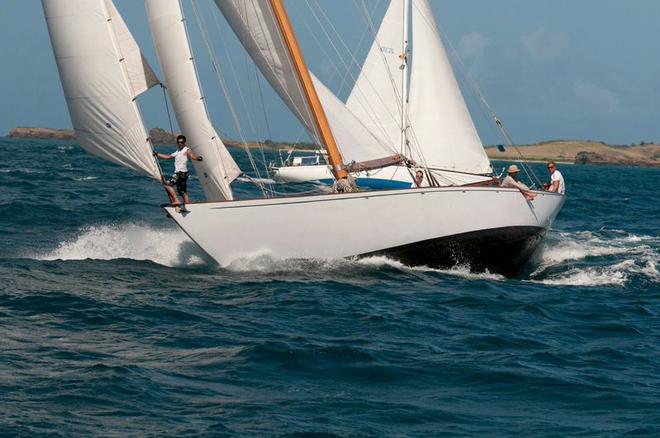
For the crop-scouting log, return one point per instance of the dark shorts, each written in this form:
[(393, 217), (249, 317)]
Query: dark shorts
[(180, 181)]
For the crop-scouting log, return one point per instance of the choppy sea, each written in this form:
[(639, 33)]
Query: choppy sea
[(113, 323)]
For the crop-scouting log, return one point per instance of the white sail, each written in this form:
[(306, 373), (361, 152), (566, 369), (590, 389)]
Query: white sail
[(442, 130), (94, 77), (355, 141), (256, 27), (376, 98), (139, 74), (170, 38)]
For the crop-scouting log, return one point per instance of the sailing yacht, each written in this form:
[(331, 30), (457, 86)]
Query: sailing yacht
[(487, 228)]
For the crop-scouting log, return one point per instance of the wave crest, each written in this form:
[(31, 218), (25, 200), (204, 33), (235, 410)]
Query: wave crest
[(165, 246), (607, 257)]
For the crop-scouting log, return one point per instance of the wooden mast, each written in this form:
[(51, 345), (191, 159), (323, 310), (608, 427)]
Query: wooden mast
[(320, 119)]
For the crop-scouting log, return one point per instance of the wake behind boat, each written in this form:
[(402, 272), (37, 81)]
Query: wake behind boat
[(447, 221)]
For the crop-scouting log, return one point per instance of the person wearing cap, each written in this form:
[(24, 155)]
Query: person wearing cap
[(511, 180), (556, 179)]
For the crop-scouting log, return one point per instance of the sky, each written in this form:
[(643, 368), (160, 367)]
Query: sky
[(550, 69)]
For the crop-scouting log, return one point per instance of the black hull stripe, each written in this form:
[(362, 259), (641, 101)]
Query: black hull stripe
[(499, 250)]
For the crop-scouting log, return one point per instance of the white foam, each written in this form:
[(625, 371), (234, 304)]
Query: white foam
[(650, 269), (23, 170), (85, 178), (267, 263), (636, 255), (264, 262), (458, 271), (166, 246), (581, 245), (588, 277)]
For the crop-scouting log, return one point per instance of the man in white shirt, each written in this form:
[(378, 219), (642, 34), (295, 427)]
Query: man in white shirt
[(180, 177), (511, 180), (556, 179)]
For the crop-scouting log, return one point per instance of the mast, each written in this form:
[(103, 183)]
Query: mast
[(404, 81), (320, 119)]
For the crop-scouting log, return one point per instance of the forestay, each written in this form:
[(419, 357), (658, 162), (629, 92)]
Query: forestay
[(102, 72), (443, 131), (168, 30)]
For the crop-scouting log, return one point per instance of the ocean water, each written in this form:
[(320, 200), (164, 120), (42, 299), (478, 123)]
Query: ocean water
[(113, 323)]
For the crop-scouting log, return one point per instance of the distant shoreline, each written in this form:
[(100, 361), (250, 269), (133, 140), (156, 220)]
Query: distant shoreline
[(561, 151), (582, 152)]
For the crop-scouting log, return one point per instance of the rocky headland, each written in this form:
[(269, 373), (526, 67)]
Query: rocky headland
[(42, 133), (583, 152)]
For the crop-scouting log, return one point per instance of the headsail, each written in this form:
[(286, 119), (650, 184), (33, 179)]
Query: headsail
[(443, 131), (377, 93), (98, 61), (168, 30)]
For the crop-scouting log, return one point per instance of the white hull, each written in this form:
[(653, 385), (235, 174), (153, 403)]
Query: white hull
[(392, 177), (406, 224)]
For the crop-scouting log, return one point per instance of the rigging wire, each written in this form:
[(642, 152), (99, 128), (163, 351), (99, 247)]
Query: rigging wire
[(221, 80), (382, 141), (475, 89), (307, 116), (348, 71), (370, 110), (365, 103), (240, 89), (167, 108), (216, 151)]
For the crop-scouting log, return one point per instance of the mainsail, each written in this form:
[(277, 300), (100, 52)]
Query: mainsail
[(256, 27), (102, 72), (443, 131), (168, 30), (376, 98)]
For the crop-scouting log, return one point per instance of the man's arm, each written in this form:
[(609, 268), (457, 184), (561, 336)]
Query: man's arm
[(163, 156), (192, 156), (526, 192), (554, 187)]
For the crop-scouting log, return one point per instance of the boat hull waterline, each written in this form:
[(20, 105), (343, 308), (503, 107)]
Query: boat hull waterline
[(485, 228)]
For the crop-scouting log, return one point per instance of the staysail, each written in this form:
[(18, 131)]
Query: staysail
[(377, 94), (102, 72), (168, 30), (443, 131)]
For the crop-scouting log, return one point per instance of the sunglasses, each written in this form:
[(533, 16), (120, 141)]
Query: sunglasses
[(551, 167), (180, 142)]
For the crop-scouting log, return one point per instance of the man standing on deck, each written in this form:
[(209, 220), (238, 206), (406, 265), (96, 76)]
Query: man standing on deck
[(180, 177), (556, 179)]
